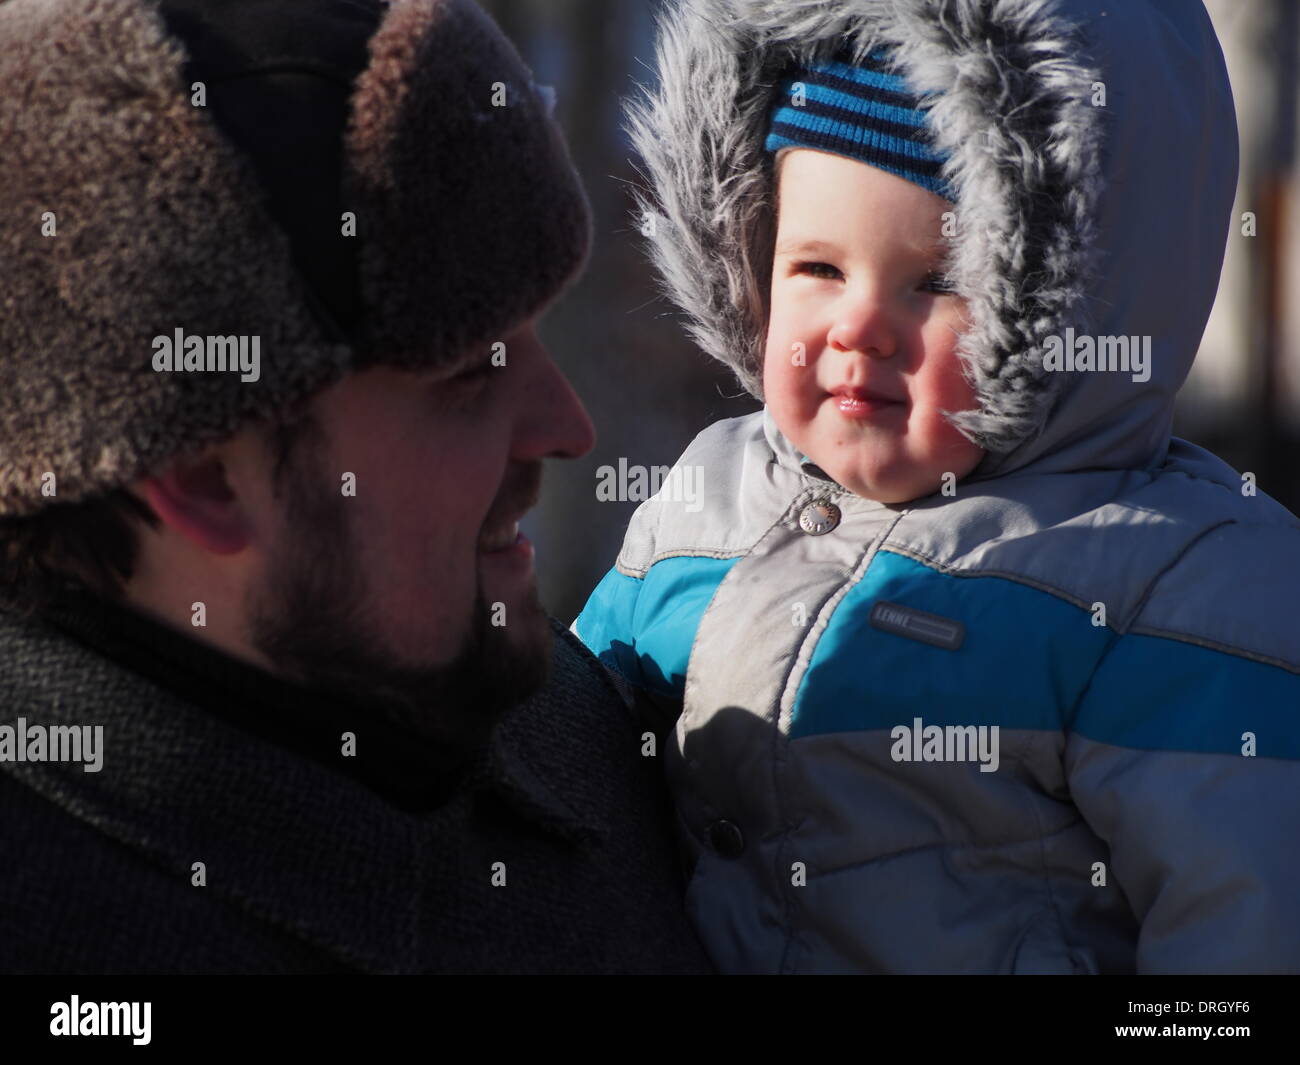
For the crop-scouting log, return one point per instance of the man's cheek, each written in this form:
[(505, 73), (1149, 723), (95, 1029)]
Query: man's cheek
[(434, 617), (429, 573)]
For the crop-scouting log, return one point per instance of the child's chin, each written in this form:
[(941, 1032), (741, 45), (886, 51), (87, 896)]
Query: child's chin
[(879, 489)]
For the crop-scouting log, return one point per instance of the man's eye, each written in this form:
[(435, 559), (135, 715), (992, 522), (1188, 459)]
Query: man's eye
[(465, 384), (822, 270), (473, 372), (938, 283)]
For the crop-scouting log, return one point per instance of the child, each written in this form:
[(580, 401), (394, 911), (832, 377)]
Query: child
[(978, 669)]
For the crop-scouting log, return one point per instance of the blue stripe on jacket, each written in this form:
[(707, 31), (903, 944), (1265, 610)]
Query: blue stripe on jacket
[(1031, 660), (1156, 693), (1025, 656), (1028, 660), (643, 628)]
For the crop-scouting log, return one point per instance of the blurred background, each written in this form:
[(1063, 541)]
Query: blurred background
[(649, 390)]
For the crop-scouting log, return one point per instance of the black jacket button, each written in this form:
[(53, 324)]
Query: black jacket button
[(726, 838)]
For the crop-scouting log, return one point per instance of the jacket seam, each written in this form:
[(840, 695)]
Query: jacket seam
[(947, 844), (781, 742), (1214, 645), (1017, 578), (1029, 582), (1140, 605), (1043, 872), (688, 683), (640, 573), (1134, 628), (1053, 904)]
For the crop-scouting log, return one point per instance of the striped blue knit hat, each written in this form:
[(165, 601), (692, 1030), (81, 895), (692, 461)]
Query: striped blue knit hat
[(862, 111)]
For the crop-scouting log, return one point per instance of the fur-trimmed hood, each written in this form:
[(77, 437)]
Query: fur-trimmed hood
[(1094, 149)]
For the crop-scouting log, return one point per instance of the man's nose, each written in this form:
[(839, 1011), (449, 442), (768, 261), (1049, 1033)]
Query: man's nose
[(552, 421), (862, 324)]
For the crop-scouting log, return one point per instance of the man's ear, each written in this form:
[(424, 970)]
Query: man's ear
[(194, 497)]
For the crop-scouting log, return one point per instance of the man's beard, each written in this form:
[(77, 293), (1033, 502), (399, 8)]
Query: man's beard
[(312, 619)]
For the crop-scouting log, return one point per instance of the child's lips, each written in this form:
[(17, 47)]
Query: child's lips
[(860, 403)]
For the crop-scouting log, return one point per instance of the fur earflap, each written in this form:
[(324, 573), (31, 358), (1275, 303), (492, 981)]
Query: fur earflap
[(475, 214)]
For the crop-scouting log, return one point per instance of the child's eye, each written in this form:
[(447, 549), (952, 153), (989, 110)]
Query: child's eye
[(937, 283), (822, 270)]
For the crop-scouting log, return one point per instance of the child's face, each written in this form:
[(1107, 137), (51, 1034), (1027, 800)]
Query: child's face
[(861, 344)]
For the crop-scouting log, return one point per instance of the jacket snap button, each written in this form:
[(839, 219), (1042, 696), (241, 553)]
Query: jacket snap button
[(726, 838), (819, 517)]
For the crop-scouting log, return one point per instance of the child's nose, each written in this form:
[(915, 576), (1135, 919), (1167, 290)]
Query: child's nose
[(862, 325)]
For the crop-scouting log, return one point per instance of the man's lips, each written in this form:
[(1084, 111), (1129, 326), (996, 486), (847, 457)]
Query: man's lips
[(519, 494), (499, 537)]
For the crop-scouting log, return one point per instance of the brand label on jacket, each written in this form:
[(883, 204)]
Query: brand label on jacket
[(918, 625)]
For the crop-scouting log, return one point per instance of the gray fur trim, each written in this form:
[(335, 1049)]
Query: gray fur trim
[(1013, 111)]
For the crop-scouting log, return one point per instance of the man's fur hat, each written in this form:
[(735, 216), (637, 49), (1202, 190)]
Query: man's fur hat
[(176, 165)]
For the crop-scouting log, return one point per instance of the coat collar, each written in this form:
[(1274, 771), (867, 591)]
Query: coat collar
[(307, 848)]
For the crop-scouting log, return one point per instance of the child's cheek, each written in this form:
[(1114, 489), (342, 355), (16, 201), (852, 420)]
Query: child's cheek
[(948, 445), (784, 378)]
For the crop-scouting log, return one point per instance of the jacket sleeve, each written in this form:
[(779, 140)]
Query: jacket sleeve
[(1185, 760), (618, 625), (642, 618), (607, 626)]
